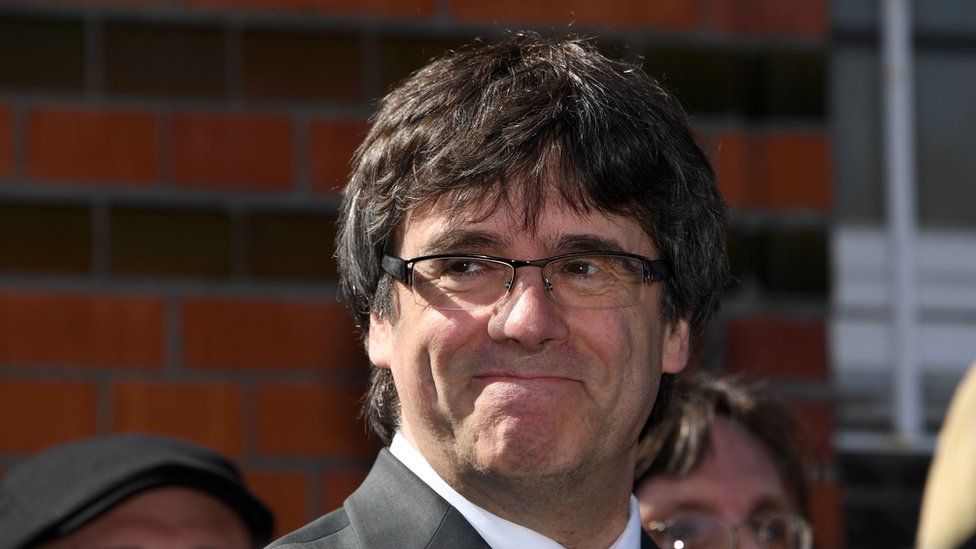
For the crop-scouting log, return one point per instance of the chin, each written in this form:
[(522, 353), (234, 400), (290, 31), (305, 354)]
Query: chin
[(515, 452)]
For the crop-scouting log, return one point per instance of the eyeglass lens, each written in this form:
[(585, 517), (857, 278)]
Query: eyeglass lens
[(465, 283), (779, 530)]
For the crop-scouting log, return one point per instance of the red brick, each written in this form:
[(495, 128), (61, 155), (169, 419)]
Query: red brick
[(90, 145), (119, 2), (771, 17), (87, 330), (777, 348), (340, 484), (332, 143), (308, 65), (817, 419), (232, 150), (734, 164), (312, 421), (35, 414), (794, 170), (808, 17), (210, 414), (251, 333), (392, 8), (825, 514), (286, 494), (6, 142), (681, 14)]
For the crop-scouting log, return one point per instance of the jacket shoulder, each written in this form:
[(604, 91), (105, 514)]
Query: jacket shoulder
[(331, 530)]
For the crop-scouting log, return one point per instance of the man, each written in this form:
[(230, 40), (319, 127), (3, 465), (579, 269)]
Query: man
[(723, 467), (130, 491), (530, 236)]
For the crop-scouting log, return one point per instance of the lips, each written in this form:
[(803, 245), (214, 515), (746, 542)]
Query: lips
[(522, 378)]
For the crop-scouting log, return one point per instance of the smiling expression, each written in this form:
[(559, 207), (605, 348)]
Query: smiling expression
[(525, 387)]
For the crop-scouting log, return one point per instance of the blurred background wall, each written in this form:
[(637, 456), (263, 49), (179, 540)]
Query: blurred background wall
[(170, 174)]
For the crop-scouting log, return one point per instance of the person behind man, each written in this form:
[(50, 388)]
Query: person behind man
[(721, 467), (530, 236), (130, 491)]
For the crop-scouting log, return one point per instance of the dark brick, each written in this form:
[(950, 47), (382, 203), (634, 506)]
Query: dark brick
[(42, 53), (290, 245), (152, 59), (744, 255), (788, 84), (6, 141), (167, 242), (704, 80), (401, 55), (781, 83), (794, 261), (48, 238), (305, 66)]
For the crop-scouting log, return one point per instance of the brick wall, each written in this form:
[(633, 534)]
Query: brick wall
[(168, 186)]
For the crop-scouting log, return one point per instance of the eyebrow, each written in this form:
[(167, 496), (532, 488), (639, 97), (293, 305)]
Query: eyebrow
[(768, 504), (460, 241), (586, 243)]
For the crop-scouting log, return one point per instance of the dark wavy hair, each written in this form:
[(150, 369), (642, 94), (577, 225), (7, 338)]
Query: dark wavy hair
[(533, 118), (676, 443)]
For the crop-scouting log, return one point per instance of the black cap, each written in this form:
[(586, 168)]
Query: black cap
[(64, 487)]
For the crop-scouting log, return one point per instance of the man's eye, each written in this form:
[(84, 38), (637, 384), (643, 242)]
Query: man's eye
[(462, 267), (581, 268)]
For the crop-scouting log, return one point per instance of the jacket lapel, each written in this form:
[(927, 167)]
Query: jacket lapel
[(394, 508)]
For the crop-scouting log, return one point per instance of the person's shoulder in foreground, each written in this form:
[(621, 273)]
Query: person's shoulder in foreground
[(530, 240), (948, 513), (724, 464), (130, 491)]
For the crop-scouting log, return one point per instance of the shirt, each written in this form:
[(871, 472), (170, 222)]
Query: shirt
[(498, 532)]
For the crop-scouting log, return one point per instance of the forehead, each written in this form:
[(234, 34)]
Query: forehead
[(554, 227), (736, 477)]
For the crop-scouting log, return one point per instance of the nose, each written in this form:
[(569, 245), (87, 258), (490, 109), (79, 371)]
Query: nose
[(527, 315)]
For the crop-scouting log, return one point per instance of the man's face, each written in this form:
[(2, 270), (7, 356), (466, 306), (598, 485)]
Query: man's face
[(526, 388), (736, 480), (170, 517)]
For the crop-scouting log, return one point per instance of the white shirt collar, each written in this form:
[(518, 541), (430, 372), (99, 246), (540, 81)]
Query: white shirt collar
[(498, 532)]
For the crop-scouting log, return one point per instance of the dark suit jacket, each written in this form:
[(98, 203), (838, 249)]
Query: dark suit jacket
[(393, 508)]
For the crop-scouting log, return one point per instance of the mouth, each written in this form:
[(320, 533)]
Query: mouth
[(522, 377)]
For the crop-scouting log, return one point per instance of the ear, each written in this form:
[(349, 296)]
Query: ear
[(676, 346), (380, 341)]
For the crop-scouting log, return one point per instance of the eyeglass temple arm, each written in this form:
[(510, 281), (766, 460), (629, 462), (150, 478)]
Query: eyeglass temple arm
[(657, 270), (395, 267)]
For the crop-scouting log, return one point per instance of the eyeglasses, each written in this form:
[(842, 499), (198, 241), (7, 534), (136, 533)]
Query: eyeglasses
[(587, 280), (773, 530)]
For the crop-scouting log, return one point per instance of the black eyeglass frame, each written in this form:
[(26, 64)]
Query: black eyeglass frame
[(402, 269)]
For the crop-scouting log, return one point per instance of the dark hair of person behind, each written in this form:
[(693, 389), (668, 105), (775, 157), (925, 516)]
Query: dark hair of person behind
[(530, 119), (677, 443)]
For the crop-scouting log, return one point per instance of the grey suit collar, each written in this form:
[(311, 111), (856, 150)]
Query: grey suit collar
[(422, 518)]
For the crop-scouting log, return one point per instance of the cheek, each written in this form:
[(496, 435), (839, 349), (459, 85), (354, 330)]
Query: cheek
[(626, 343), (435, 343)]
